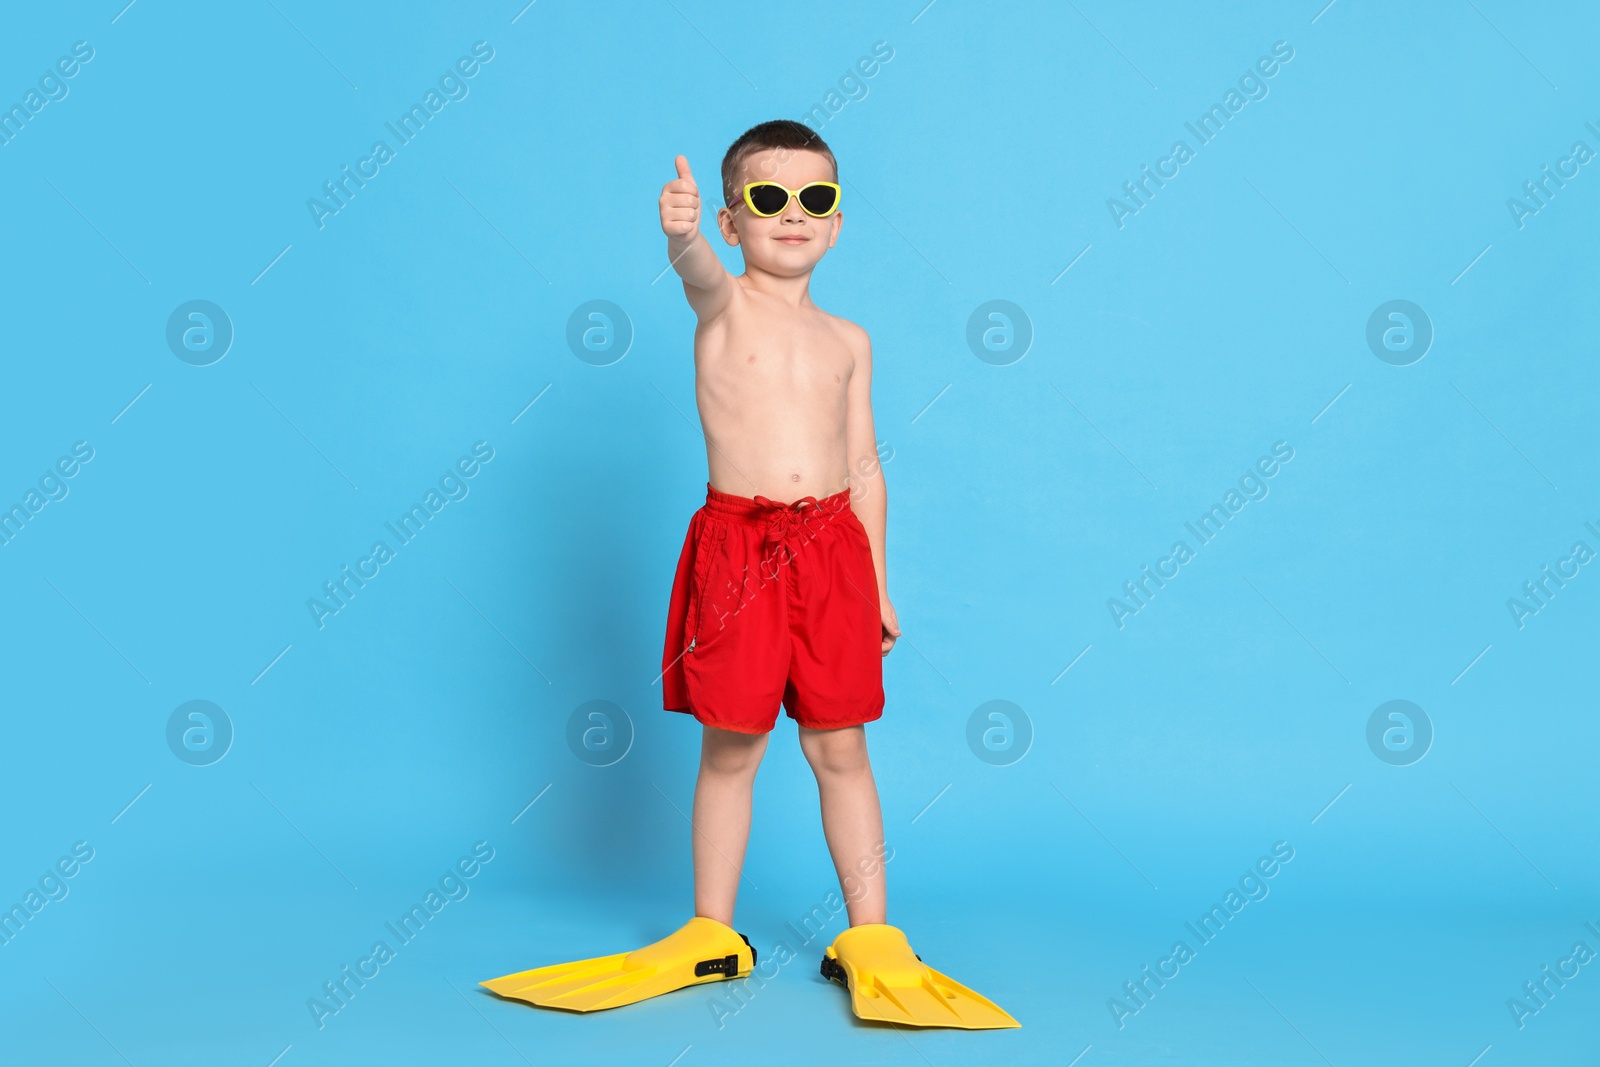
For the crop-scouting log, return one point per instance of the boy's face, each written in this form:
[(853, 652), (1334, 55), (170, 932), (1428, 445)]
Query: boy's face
[(791, 242)]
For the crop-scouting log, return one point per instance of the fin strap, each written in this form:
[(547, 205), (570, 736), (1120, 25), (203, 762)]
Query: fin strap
[(725, 965)]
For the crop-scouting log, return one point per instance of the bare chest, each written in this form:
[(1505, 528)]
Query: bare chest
[(802, 359)]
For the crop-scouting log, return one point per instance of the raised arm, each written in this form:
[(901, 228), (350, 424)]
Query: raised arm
[(706, 282)]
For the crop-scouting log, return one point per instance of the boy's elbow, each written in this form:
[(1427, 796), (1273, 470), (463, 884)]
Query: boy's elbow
[(867, 466)]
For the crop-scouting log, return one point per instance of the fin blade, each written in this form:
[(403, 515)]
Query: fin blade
[(629, 977), (554, 977), (976, 1011), (889, 983), (931, 1002), (588, 985)]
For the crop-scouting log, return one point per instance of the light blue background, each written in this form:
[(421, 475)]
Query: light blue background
[(1228, 314)]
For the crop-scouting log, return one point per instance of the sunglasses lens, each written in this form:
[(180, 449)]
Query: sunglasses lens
[(819, 199), (768, 199)]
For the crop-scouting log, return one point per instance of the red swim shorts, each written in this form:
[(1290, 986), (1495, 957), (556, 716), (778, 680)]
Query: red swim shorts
[(774, 603)]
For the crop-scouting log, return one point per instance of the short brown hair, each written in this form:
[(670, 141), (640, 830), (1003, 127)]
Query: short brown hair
[(779, 133)]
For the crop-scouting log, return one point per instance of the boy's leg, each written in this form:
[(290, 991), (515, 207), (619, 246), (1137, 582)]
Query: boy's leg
[(728, 762), (851, 818)]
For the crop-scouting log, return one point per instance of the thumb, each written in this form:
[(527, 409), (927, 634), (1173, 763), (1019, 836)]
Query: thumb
[(683, 168)]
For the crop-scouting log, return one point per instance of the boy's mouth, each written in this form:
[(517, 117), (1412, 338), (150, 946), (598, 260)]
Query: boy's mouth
[(792, 239)]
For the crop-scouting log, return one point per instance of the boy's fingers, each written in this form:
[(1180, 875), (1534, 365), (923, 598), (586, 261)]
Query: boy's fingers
[(683, 168)]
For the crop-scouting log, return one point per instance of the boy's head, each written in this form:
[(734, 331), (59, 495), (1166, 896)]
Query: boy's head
[(792, 155), (781, 137)]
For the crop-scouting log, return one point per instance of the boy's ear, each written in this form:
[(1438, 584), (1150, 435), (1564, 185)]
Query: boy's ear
[(838, 223), (725, 224)]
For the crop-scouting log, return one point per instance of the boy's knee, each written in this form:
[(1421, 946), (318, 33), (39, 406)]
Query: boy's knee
[(732, 756), (836, 752)]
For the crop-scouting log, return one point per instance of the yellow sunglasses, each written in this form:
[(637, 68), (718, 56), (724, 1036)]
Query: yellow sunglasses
[(817, 199)]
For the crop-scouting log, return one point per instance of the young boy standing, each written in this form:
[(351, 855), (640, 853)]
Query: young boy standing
[(781, 593)]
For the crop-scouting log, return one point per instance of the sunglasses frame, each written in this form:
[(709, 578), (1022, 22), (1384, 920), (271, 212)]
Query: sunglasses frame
[(794, 194)]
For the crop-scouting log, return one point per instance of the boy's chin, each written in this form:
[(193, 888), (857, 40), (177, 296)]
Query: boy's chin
[(783, 266)]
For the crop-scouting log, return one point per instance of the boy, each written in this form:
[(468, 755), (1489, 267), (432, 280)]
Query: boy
[(781, 596)]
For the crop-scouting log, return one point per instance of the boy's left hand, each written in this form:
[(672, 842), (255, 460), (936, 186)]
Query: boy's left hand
[(891, 623)]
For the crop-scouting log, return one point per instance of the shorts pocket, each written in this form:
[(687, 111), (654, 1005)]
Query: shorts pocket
[(707, 552), (867, 567)]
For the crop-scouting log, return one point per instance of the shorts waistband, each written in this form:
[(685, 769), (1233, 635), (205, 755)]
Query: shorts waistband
[(759, 510)]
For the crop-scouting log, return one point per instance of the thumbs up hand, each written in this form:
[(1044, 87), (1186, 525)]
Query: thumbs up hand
[(680, 203)]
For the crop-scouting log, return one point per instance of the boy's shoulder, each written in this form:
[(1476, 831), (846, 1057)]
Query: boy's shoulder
[(854, 334)]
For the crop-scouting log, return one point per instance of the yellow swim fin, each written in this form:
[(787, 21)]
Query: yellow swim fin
[(702, 950), (890, 983)]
